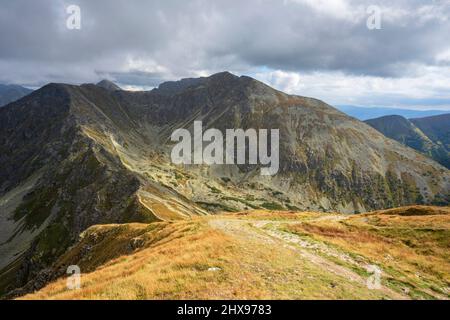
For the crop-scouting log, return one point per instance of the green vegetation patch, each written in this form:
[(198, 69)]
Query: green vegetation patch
[(272, 206)]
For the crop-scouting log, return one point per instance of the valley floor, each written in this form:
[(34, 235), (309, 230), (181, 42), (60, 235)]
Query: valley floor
[(265, 255)]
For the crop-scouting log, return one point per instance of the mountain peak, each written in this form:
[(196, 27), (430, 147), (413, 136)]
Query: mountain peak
[(175, 87), (108, 85), (392, 116), (224, 75)]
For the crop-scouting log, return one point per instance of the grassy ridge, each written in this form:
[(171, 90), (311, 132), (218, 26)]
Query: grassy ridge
[(264, 255)]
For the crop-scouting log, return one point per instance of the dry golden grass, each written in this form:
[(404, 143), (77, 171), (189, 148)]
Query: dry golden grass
[(193, 260), (175, 264), (175, 255), (276, 215), (412, 250)]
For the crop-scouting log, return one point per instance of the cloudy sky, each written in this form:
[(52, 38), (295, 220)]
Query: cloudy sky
[(318, 48)]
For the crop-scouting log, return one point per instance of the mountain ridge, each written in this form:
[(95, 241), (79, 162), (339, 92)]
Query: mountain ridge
[(104, 158), (367, 113), (258, 254), (11, 93), (432, 139)]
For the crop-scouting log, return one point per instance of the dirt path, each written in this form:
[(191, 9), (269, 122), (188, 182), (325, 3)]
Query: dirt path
[(269, 233)]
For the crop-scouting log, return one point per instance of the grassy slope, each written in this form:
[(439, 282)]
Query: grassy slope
[(264, 254), (410, 246)]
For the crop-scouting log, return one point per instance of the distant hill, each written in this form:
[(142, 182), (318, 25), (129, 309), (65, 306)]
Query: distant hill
[(10, 93), (429, 135), (437, 128), (108, 85), (363, 113)]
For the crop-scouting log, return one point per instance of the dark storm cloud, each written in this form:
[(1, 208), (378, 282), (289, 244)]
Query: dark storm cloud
[(129, 40)]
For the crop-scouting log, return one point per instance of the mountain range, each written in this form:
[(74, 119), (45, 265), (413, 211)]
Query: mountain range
[(10, 93), (429, 135), (76, 156), (366, 113)]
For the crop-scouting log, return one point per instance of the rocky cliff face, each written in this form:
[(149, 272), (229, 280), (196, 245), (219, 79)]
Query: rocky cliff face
[(74, 156)]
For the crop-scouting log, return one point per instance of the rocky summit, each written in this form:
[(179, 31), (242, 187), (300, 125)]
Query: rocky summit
[(76, 156)]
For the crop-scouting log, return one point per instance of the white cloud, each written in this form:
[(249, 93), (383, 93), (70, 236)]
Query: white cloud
[(338, 88), (341, 9)]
